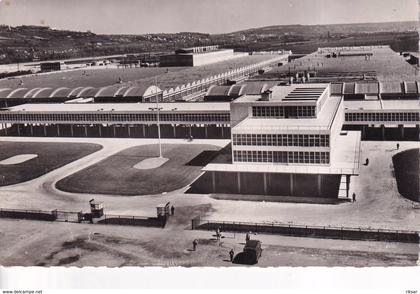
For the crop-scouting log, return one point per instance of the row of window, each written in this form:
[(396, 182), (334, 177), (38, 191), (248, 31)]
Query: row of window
[(110, 117), (281, 157), (388, 116), (284, 111), (281, 140)]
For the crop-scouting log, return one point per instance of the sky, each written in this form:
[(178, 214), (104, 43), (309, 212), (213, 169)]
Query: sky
[(207, 16)]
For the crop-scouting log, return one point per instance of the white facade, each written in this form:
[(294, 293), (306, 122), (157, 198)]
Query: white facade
[(298, 124)]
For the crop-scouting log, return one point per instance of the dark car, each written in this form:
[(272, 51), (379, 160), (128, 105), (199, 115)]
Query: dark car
[(251, 253)]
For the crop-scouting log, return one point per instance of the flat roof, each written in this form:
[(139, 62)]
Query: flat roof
[(123, 107), (344, 160), (323, 121), (166, 77), (290, 94), (379, 63), (393, 105)]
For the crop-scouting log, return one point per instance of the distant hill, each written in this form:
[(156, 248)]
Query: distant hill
[(33, 43), (355, 28)]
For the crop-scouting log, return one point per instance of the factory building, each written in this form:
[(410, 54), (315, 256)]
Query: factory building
[(197, 56), (123, 120)]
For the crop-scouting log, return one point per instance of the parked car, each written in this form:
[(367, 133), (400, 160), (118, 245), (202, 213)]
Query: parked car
[(252, 251)]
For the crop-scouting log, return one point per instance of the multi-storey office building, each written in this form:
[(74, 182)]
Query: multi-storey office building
[(288, 124), (288, 142)]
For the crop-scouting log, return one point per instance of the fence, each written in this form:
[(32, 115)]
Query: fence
[(28, 214), (344, 233), (69, 216)]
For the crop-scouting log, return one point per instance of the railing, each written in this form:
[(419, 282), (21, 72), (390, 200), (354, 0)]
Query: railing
[(310, 231)]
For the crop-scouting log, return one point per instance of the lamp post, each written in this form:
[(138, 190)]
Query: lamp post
[(158, 109)]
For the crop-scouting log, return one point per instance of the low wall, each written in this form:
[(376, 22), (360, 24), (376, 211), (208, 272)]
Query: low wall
[(28, 214)]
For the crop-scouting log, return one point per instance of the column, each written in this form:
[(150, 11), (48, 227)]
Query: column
[(319, 185), (383, 132), (363, 131), (213, 181), (100, 130), (144, 131), (223, 132), (205, 131), (292, 185), (347, 186), (45, 130), (85, 131), (189, 129), (113, 130), (71, 130), (174, 129), (265, 183), (31, 127), (128, 131), (5, 129), (18, 129), (401, 127), (239, 181), (418, 131), (58, 130)]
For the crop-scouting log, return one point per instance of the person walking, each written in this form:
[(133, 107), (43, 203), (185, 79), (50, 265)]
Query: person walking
[(354, 197), (195, 243), (398, 146), (172, 210), (367, 162), (231, 254), (248, 236), (218, 234)]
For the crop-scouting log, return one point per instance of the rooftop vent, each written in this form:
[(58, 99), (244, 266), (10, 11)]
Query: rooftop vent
[(266, 95)]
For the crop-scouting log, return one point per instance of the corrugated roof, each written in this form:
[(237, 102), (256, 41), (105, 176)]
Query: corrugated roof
[(410, 87), (367, 88), (336, 88), (349, 88), (390, 87)]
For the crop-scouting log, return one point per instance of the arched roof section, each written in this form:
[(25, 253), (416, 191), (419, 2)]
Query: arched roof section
[(107, 91), (75, 91), (219, 91), (87, 92), (42, 93), (17, 93), (4, 92), (121, 91), (31, 92), (60, 92), (149, 91), (237, 90)]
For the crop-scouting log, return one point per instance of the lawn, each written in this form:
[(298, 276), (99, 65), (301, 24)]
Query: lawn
[(50, 156), (116, 174)]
